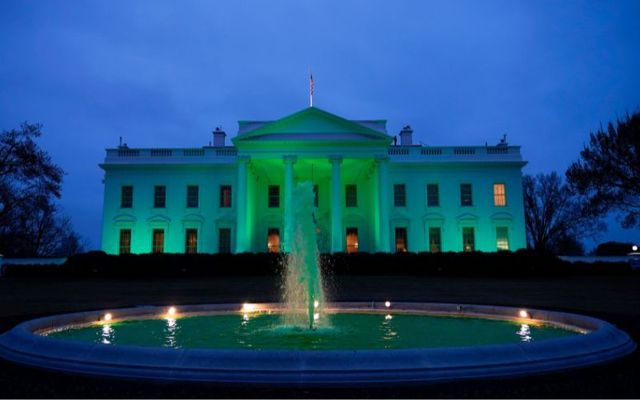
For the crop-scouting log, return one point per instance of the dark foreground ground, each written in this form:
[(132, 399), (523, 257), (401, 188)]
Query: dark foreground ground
[(615, 299)]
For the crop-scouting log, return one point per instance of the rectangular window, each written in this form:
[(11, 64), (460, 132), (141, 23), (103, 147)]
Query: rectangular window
[(351, 195), (191, 242), (435, 240), (274, 196), (315, 196), (159, 196), (224, 240), (466, 198), (502, 238), (192, 196), (225, 196), (468, 239), (125, 241), (433, 195), (126, 197), (273, 240), (499, 195), (399, 195), (352, 240), (401, 240), (158, 241)]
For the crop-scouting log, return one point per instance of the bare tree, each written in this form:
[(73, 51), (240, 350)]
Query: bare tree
[(554, 218), (30, 222), (607, 174)]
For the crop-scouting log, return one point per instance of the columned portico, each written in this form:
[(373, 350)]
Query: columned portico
[(383, 202), (243, 243), (337, 244), (288, 197)]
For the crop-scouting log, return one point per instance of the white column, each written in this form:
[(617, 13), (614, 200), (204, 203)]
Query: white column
[(288, 200), (242, 241), (383, 203), (337, 244)]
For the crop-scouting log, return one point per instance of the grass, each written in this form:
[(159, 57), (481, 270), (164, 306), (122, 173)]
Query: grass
[(613, 298)]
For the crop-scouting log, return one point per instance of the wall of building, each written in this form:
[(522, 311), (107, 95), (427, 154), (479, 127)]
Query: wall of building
[(175, 218), (451, 216), (416, 216)]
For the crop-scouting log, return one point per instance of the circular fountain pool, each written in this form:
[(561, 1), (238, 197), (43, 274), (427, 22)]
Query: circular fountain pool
[(353, 343)]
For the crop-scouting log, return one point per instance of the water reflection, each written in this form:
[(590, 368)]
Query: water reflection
[(525, 333), (389, 334), (171, 331), (107, 334)]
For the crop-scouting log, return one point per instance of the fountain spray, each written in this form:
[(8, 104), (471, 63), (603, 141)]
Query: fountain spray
[(302, 286)]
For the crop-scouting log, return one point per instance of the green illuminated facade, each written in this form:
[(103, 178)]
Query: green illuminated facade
[(372, 195)]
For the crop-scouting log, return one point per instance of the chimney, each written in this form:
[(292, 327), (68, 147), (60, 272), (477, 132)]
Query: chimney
[(218, 137), (405, 136)]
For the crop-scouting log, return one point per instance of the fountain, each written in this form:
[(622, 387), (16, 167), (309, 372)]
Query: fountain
[(302, 290)]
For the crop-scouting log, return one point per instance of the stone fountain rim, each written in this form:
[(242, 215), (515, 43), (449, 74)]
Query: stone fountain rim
[(603, 343)]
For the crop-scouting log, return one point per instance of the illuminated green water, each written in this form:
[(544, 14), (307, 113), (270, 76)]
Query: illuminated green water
[(334, 332)]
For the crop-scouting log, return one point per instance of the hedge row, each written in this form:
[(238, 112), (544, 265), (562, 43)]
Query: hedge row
[(477, 264)]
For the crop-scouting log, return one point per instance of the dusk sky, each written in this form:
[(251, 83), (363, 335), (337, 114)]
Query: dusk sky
[(165, 73)]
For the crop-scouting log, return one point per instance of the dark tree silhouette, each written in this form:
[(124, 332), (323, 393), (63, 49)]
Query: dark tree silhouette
[(607, 174), (553, 216), (30, 222)]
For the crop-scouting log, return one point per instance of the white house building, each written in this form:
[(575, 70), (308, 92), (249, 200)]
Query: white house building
[(371, 194)]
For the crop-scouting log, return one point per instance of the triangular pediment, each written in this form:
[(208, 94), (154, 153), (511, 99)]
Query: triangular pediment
[(312, 124)]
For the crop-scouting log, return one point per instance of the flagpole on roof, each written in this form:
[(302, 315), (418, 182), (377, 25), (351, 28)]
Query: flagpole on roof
[(310, 88)]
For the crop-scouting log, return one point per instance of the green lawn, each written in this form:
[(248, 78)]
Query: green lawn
[(616, 299)]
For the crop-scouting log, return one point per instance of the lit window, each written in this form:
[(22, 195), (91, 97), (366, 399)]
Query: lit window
[(401, 240), (468, 239), (433, 195), (225, 196), (125, 241), (158, 241), (274, 196), (159, 196), (502, 238), (435, 240), (273, 240), (399, 195), (126, 197), (224, 240), (352, 240), (192, 196), (351, 195), (499, 195), (191, 245), (466, 197)]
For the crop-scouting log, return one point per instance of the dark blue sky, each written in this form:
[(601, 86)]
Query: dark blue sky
[(165, 73)]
